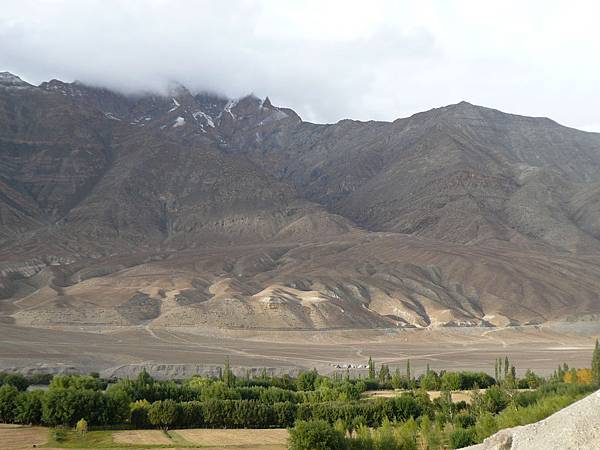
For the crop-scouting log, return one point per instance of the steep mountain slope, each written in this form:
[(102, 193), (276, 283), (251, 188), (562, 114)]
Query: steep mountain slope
[(195, 210), (461, 173), (147, 171)]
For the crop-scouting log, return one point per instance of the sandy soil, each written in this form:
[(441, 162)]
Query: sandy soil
[(263, 439), (14, 437)]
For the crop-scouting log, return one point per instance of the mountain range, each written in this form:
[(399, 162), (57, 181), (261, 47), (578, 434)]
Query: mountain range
[(190, 209)]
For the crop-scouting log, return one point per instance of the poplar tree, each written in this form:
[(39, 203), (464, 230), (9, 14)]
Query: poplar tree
[(596, 364), (384, 373), (228, 376), (371, 368)]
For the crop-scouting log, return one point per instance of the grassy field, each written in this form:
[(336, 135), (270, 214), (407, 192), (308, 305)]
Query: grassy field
[(19, 437)]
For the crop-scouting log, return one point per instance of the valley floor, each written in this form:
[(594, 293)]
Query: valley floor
[(182, 352)]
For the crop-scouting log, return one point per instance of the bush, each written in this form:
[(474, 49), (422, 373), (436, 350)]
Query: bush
[(315, 435), (59, 435), (461, 437), (81, 427)]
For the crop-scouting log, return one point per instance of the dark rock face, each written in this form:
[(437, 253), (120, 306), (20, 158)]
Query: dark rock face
[(99, 179)]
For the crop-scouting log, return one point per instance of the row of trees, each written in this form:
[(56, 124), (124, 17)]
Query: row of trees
[(266, 401), (269, 407)]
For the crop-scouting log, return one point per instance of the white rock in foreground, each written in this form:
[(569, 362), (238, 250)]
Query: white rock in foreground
[(576, 427)]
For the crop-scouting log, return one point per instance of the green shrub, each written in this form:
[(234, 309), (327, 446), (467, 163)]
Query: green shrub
[(59, 435), (462, 437), (315, 435)]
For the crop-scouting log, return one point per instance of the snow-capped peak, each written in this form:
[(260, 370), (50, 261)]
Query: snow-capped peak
[(8, 79)]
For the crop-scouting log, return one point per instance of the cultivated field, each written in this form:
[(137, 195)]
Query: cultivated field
[(13, 437), (264, 439)]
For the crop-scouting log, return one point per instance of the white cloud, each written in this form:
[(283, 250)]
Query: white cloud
[(328, 60), (594, 128)]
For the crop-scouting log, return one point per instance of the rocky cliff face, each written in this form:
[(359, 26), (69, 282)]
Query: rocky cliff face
[(194, 209)]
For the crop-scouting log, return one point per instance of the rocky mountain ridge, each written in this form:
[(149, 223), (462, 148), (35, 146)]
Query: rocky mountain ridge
[(192, 209)]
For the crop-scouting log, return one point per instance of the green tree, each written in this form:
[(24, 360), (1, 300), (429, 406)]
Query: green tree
[(315, 435), (397, 381), (145, 378), (596, 364), (138, 413), (14, 379), (8, 403), (371, 369), (228, 376), (384, 374), (306, 380), (408, 376), (450, 381), (29, 407), (163, 413), (430, 381)]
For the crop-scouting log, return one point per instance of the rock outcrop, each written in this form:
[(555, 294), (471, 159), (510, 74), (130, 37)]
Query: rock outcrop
[(576, 427)]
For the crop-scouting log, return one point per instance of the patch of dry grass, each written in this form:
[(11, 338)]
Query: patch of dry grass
[(141, 437), (272, 439), (14, 437)]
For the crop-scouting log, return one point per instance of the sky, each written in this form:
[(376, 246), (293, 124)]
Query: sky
[(327, 59)]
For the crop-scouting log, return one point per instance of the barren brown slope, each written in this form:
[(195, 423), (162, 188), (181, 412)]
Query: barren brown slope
[(461, 173), (199, 211), (360, 280)]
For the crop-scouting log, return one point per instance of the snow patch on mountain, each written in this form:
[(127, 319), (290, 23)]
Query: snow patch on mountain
[(209, 120), (179, 122), (176, 103), (230, 104), (111, 116)]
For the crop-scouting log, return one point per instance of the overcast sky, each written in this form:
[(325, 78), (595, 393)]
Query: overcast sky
[(328, 60)]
